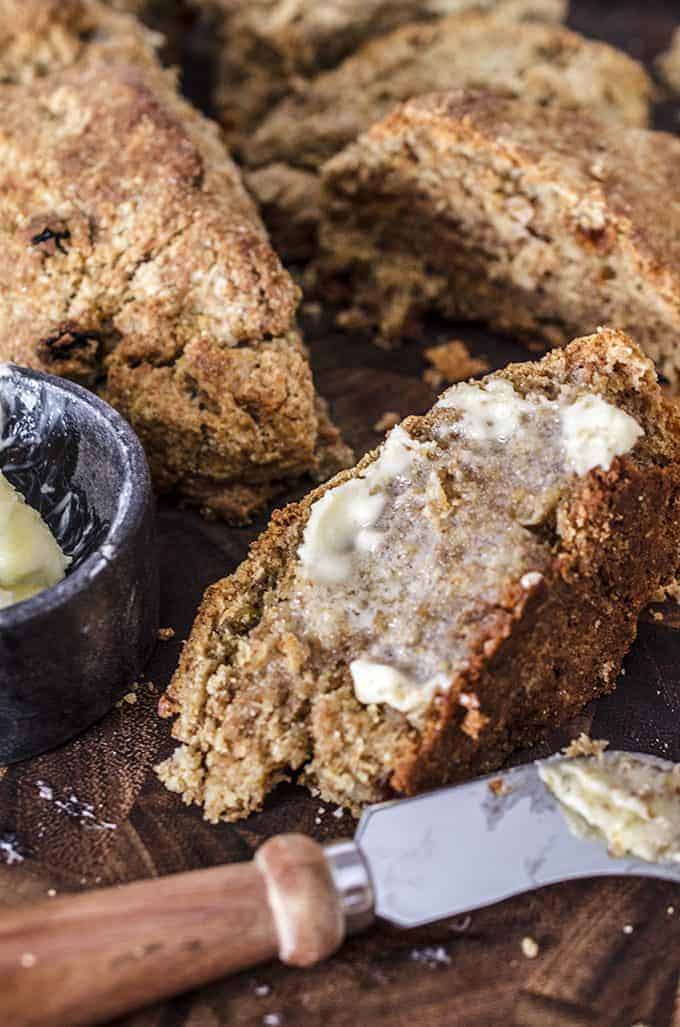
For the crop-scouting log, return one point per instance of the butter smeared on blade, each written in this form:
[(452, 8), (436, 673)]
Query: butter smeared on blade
[(631, 804), (30, 558)]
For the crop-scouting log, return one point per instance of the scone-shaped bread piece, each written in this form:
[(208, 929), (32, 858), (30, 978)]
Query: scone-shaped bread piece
[(133, 261), (544, 62), (267, 47), (540, 221), (475, 580)]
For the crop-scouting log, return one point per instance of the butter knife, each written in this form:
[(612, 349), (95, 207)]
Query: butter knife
[(87, 958)]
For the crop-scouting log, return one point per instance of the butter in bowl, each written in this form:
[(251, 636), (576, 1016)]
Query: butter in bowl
[(78, 570), (31, 559)]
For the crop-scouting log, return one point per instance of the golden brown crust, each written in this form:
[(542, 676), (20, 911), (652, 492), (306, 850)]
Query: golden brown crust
[(546, 63), (268, 47), (538, 656), (540, 220), (566, 644), (133, 261)]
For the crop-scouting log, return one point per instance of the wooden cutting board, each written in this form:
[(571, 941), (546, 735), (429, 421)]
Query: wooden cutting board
[(93, 813)]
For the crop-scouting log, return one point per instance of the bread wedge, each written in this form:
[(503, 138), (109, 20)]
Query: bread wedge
[(471, 583), (543, 62), (133, 261), (540, 221)]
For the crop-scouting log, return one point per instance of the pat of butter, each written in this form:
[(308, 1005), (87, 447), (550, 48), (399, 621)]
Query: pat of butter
[(30, 559), (490, 412), (632, 805), (380, 683), (594, 432), (374, 549), (342, 523)]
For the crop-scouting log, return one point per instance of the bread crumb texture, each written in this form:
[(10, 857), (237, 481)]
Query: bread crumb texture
[(457, 593), (134, 262), (539, 221)]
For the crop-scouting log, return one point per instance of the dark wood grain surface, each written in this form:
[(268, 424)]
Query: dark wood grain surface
[(92, 813)]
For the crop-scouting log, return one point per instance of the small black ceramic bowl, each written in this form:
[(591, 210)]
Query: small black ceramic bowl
[(67, 654)]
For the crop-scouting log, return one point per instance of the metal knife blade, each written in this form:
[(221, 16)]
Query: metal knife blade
[(456, 849)]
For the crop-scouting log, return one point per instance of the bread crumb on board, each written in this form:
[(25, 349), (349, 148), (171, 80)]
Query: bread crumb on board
[(530, 947), (434, 378), (165, 634), (452, 362), (585, 746), (388, 420), (497, 786)]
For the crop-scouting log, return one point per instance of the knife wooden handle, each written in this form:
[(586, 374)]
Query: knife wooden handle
[(87, 958)]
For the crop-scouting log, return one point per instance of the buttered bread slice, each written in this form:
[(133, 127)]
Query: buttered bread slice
[(472, 582)]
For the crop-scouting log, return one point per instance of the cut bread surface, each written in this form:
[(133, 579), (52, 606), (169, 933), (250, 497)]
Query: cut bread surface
[(134, 262), (539, 221), (474, 581), (544, 62)]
